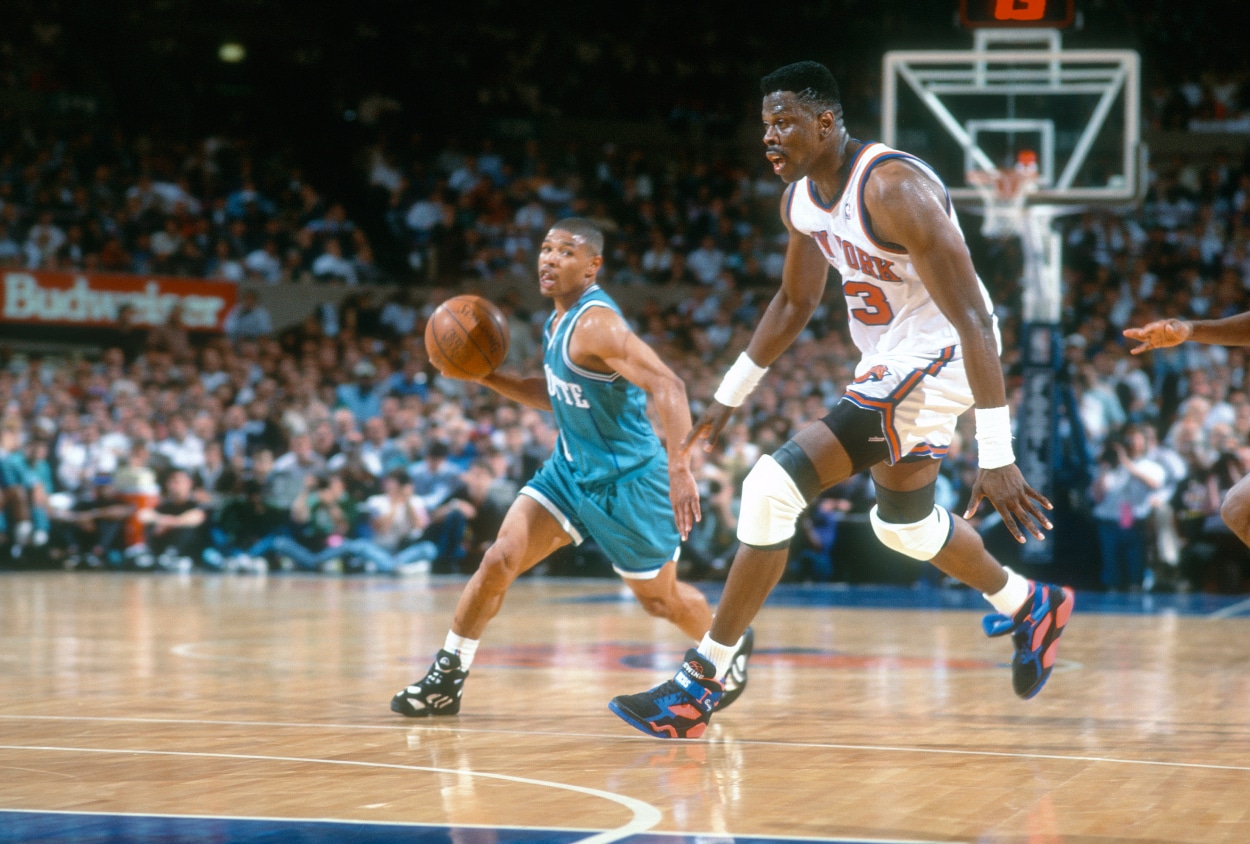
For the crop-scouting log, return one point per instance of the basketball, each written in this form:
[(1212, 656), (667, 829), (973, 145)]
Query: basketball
[(467, 336)]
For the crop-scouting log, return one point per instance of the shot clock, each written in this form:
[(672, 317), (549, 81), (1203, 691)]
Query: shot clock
[(985, 14)]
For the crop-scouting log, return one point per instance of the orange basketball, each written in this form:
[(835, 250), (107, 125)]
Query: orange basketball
[(467, 336)]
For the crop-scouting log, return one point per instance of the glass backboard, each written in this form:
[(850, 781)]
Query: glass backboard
[(1018, 90)]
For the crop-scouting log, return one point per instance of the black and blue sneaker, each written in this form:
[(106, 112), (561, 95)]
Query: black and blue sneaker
[(679, 708), (1035, 629), (437, 693)]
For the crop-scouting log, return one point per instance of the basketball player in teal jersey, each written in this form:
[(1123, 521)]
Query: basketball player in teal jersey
[(609, 477), (923, 323), (1230, 331)]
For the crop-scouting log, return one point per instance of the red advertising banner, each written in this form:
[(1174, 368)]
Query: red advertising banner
[(92, 300)]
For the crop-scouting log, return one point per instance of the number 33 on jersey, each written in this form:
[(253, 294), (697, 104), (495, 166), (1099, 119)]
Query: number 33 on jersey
[(890, 309)]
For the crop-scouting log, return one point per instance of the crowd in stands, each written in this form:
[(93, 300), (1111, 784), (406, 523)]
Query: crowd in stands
[(289, 449), (335, 443), (329, 443), (213, 208)]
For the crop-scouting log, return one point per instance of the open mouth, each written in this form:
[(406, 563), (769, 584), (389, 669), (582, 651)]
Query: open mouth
[(777, 160)]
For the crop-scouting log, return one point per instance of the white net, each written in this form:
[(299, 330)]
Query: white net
[(1004, 193)]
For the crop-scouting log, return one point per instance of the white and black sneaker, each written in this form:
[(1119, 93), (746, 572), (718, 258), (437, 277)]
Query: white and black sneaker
[(437, 693), (736, 679)]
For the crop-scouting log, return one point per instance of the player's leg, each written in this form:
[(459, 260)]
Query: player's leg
[(774, 494), (905, 501), (907, 519), (529, 534), (1236, 509), (666, 597)]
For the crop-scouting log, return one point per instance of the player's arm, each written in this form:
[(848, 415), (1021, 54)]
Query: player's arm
[(803, 279), (908, 208), (529, 391), (1231, 331), (603, 341)]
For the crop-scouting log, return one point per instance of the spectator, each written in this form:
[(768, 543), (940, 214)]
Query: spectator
[(332, 266), (397, 522), (1124, 490), (483, 501), (87, 528), (363, 396), (435, 479), (320, 520), (176, 526), (248, 319), (291, 471)]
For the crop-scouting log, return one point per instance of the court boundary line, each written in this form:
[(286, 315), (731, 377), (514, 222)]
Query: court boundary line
[(423, 825), (645, 816), (1230, 611), (449, 729)]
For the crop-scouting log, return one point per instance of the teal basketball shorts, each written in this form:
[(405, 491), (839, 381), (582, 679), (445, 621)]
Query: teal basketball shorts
[(631, 519)]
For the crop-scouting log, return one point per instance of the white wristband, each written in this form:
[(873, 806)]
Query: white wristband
[(994, 437), (739, 381)]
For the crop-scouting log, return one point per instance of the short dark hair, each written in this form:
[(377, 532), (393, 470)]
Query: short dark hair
[(400, 476), (810, 82), (583, 228)]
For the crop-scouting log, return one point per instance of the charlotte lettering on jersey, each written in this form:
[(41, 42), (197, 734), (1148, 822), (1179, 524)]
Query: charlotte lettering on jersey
[(88, 299), (855, 257), (570, 394)]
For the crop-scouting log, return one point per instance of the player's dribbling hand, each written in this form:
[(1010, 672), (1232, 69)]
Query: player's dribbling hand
[(683, 491), (708, 426), (1016, 501), (1159, 334)]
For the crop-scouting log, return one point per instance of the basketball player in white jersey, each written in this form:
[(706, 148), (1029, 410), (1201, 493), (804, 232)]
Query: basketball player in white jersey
[(923, 322), (1230, 331)]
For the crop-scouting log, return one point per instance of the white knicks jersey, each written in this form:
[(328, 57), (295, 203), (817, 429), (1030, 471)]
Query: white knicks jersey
[(889, 309)]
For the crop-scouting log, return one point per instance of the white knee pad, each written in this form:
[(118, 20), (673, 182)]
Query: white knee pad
[(920, 540), (771, 504)]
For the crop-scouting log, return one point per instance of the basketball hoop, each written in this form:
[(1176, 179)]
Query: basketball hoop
[(1004, 193)]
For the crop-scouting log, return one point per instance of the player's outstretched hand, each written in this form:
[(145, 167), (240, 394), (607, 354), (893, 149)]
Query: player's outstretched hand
[(684, 493), (1159, 334), (1013, 498), (708, 426)]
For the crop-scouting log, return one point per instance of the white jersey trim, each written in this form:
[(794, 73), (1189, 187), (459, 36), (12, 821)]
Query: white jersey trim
[(572, 318)]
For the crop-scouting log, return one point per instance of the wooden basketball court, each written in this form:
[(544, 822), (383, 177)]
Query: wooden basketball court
[(189, 707)]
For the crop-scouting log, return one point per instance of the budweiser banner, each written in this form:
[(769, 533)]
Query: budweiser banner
[(92, 300)]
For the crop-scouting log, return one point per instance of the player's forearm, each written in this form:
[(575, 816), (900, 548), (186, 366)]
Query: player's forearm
[(1231, 331), (981, 361), (674, 411), (783, 321), (531, 392)]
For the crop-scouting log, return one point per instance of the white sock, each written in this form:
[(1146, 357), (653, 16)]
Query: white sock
[(1012, 596), (719, 655), (461, 647)]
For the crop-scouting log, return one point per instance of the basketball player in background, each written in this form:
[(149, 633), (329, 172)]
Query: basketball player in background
[(924, 325), (609, 477), (1231, 331)]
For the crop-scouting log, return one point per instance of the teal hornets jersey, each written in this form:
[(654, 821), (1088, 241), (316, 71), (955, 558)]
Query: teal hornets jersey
[(604, 429)]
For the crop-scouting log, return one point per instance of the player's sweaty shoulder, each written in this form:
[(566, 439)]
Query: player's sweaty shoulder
[(599, 331), (898, 174), (897, 188)]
